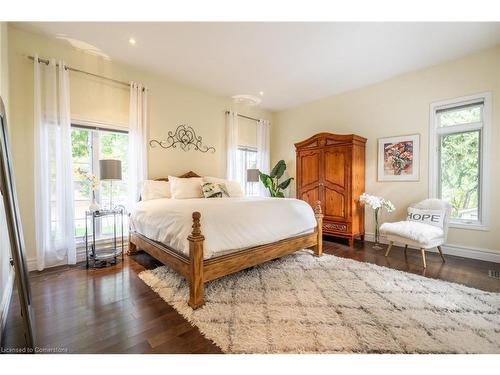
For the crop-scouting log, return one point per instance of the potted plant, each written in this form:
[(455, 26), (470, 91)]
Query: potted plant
[(271, 181)]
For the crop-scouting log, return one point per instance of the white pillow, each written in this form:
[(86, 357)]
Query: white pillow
[(184, 188), (233, 187), (431, 217), (155, 190)]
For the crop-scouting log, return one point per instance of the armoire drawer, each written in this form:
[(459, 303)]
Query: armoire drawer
[(335, 227)]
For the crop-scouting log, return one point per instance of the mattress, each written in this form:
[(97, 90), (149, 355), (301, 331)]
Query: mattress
[(228, 224)]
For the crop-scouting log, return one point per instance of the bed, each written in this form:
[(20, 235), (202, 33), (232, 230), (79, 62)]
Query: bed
[(238, 233)]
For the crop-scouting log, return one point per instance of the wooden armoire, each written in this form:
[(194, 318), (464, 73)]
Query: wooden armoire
[(331, 169)]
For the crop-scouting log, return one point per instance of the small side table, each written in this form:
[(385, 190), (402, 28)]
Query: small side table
[(105, 255)]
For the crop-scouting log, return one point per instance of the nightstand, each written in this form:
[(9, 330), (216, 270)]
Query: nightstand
[(105, 255)]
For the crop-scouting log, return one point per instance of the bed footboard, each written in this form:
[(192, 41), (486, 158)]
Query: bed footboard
[(197, 271), (132, 247)]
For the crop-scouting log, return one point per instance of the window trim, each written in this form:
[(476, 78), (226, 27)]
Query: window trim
[(100, 125), (247, 148), (484, 153)]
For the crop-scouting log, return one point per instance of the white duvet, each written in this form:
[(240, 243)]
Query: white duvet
[(227, 223)]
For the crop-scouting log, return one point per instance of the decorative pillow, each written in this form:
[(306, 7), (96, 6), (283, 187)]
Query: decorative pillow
[(431, 217), (155, 190), (214, 190), (184, 188), (233, 187)]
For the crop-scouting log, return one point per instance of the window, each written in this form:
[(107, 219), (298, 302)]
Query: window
[(459, 156), (88, 147), (247, 159)]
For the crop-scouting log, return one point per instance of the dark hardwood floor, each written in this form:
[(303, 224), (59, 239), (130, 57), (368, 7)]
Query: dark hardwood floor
[(111, 310), (469, 272)]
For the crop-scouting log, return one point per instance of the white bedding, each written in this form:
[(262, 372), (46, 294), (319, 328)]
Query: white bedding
[(227, 223)]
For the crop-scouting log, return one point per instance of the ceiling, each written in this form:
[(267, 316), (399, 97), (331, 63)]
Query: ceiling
[(291, 63)]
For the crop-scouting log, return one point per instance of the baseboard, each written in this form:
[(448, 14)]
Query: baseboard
[(5, 304), (80, 257), (455, 250)]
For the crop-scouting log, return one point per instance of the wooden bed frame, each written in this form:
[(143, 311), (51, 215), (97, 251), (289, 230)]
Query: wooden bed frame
[(198, 271)]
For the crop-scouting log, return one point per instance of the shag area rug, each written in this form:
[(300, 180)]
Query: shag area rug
[(305, 304)]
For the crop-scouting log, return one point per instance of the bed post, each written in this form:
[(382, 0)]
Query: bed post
[(196, 264), (318, 248), (132, 247)]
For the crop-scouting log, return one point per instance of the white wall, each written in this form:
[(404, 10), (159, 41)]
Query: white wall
[(400, 106), (6, 272), (171, 104)]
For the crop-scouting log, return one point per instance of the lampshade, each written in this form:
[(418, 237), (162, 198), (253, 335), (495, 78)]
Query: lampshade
[(253, 175), (110, 169)]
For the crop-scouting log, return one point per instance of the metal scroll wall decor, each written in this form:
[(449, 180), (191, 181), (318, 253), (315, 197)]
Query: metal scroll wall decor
[(185, 137)]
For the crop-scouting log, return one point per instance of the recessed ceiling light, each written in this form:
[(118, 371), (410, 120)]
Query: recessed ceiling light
[(261, 93), (132, 41)]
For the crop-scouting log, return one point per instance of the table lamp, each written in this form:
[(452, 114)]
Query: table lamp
[(110, 170), (253, 175)]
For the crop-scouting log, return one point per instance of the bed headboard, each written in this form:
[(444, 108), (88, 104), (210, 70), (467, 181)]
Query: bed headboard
[(185, 175)]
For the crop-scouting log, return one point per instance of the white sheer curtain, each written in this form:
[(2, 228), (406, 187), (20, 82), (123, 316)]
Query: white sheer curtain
[(232, 146), (137, 136), (54, 203), (263, 153)]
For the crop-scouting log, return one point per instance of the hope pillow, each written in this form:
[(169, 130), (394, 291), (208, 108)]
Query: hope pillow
[(431, 217)]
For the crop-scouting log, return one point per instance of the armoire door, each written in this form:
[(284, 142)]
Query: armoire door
[(336, 182), (308, 171)]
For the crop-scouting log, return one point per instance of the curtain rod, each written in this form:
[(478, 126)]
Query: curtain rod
[(247, 117), (46, 62)]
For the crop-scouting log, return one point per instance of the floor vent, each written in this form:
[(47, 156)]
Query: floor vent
[(494, 274)]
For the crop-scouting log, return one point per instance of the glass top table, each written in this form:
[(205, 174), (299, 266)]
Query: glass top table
[(112, 247)]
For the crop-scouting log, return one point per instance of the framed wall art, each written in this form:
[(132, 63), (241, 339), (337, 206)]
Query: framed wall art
[(399, 158)]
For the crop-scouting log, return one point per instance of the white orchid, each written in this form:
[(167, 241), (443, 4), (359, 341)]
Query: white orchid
[(91, 179), (376, 202), (388, 205)]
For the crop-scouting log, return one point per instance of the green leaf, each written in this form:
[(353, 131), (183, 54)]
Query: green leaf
[(278, 169), (266, 180), (284, 184), (279, 194)]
